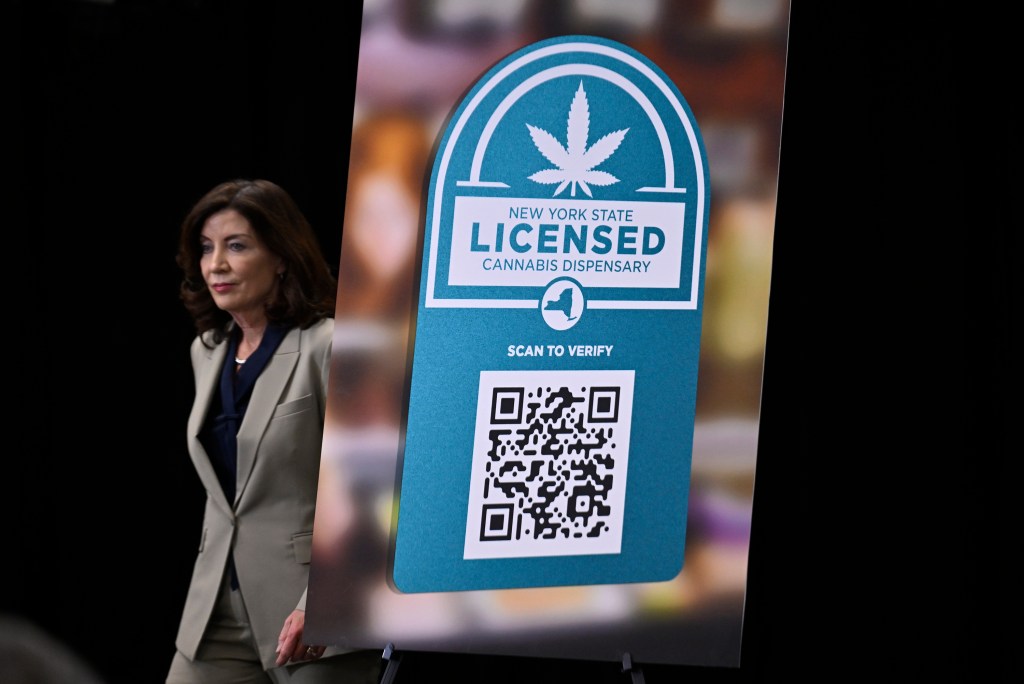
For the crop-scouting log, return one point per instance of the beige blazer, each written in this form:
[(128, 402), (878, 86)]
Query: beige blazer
[(269, 525)]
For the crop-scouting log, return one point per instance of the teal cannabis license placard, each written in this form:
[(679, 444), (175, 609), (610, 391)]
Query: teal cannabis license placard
[(553, 383)]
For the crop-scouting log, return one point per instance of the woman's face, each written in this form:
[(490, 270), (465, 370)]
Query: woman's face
[(240, 271), (384, 224)]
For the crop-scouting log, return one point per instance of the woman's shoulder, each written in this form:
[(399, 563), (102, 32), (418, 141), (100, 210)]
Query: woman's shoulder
[(323, 326), (202, 348), (203, 342), (320, 333)]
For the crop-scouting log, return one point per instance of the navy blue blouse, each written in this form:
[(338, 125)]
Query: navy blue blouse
[(219, 434)]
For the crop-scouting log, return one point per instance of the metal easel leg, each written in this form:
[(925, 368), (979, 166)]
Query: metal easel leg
[(636, 674), (391, 669)]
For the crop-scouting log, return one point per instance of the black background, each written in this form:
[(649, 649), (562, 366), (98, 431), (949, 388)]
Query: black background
[(881, 519)]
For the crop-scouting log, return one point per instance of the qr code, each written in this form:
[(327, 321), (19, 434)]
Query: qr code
[(550, 455)]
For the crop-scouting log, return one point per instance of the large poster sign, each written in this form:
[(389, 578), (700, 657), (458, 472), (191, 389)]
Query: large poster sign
[(544, 405), (554, 370)]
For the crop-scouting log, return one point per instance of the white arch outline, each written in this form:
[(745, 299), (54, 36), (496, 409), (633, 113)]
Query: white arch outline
[(431, 301), (573, 70)]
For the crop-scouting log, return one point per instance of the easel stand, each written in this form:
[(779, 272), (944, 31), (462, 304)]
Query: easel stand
[(634, 671), (391, 669)]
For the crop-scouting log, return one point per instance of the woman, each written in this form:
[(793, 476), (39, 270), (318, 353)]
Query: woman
[(262, 299), (390, 161)]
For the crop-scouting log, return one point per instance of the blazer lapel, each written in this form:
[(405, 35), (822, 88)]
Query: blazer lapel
[(207, 378), (266, 394)]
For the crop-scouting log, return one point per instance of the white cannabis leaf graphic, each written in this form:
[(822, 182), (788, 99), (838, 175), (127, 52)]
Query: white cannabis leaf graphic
[(576, 163)]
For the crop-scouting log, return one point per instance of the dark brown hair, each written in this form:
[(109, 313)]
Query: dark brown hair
[(308, 286), (397, 145)]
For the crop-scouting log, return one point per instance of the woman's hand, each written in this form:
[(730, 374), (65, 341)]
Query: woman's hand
[(290, 647)]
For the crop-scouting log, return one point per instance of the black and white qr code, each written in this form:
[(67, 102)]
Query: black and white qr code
[(550, 456)]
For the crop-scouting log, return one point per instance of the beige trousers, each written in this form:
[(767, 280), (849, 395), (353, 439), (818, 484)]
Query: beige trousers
[(228, 655)]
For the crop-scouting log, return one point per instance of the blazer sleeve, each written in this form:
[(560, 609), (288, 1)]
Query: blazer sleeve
[(321, 338), (323, 346)]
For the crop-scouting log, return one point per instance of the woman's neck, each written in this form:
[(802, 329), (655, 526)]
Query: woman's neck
[(251, 335)]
